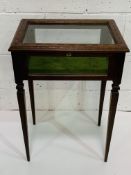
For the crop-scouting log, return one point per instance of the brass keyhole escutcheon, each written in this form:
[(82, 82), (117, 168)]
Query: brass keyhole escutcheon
[(68, 54)]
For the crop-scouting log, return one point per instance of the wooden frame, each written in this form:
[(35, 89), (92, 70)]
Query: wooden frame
[(115, 52), (120, 45)]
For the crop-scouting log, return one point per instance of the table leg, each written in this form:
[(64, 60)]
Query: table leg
[(112, 111), (31, 91), (102, 94), (22, 109)]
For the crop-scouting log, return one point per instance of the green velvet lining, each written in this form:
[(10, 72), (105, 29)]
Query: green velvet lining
[(67, 65)]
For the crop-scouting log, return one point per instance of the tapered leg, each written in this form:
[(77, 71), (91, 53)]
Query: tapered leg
[(102, 94), (112, 111), (22, 109), (31, 91)]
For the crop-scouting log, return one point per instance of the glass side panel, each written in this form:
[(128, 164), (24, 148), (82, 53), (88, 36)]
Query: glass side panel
[(71, 34), (68, 65)]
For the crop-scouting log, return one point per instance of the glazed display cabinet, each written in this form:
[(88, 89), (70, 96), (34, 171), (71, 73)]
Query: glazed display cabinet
[(69, 50)]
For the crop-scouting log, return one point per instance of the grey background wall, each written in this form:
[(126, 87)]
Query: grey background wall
[(62, 95)]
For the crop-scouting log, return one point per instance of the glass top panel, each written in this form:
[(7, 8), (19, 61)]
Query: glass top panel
[(68, 34)]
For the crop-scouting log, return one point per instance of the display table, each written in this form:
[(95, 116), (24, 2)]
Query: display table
[(68, 50)]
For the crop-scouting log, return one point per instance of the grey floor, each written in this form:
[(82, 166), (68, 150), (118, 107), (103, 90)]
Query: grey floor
[(65, 142)]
